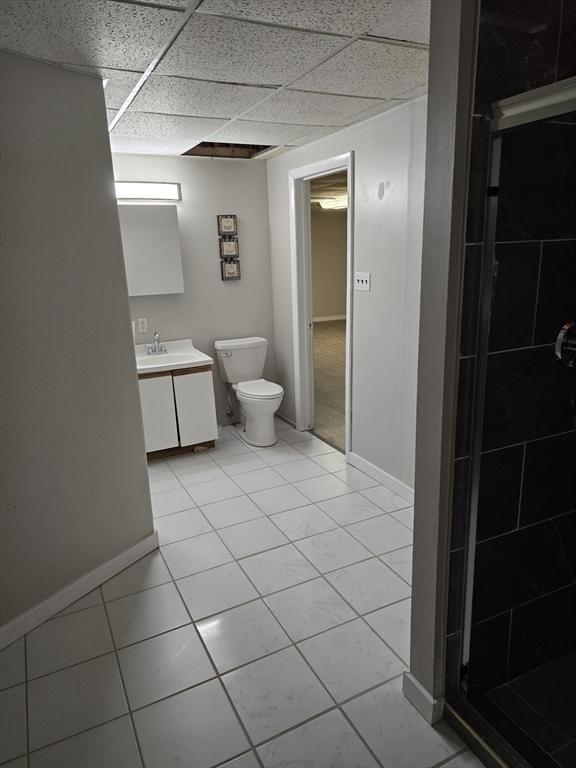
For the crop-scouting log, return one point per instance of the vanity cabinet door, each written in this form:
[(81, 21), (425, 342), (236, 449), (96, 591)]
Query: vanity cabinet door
[(194, 394), (158, 413)]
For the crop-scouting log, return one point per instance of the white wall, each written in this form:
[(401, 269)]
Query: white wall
[(387, 242), (210, 309), (73, 474), (328, 240)]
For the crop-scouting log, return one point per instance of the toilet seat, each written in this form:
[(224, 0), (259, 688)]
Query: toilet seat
[(259, 389)]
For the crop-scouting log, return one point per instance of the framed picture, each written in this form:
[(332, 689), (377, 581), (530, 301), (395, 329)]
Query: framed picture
[(227, 224), (230, 270), (229, 248)]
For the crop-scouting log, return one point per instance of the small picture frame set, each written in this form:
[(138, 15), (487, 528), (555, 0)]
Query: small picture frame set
[(228, 245)]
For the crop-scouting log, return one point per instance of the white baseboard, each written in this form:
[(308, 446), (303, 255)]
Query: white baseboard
[(327, 318), (391, 482), (430, 708), (65, 597)]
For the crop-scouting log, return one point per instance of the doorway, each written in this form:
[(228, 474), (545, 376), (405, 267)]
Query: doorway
[(328, 246), (321, 216)]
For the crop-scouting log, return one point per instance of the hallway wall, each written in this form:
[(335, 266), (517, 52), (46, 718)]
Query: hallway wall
[(74, 481), (388, 149), (328, 235)]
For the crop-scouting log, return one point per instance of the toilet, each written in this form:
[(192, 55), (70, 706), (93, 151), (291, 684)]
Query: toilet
[(241, 364)]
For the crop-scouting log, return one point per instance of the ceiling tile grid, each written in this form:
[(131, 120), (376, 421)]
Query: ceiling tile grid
[(249, 132), (182, 96), (397, 19), (215, 48), (97, 33)]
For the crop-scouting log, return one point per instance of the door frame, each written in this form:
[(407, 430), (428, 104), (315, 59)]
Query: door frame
[(301, 265)]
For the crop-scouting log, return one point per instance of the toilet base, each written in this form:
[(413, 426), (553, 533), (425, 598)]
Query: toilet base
[(259, 440)]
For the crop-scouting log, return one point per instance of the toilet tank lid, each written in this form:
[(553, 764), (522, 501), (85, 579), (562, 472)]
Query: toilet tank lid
[(247, 343)]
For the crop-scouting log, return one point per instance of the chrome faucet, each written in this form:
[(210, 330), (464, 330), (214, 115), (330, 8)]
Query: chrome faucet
[(156, 348)]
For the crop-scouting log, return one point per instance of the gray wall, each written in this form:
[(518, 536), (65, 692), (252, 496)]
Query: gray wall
[(73, 472), (388, 243), (328, 236), (210, 309)]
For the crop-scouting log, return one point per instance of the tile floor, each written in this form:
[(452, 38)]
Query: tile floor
[(270, 629)]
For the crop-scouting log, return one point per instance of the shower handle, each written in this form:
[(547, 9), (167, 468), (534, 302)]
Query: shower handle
[(565, 347)]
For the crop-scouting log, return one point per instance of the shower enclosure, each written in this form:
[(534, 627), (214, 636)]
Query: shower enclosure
[(511, 645)]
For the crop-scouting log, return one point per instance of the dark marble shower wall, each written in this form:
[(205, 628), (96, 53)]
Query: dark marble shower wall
[(525, 592)]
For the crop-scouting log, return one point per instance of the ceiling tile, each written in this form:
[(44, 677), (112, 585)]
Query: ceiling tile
[(144, 125), (181, 4), (369, 69), (290, 106), (96, 33), (118, 85), (111, 114), (249, 132), (398, 19), (181, 96), (135, 146), (214, 48)]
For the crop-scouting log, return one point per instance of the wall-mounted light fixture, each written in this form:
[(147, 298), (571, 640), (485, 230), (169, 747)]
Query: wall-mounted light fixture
[(159, 191), (332, 203)]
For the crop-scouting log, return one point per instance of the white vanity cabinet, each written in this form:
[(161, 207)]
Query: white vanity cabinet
[(178, 408)]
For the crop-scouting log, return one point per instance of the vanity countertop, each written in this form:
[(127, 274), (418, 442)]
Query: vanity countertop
[(180, 354)]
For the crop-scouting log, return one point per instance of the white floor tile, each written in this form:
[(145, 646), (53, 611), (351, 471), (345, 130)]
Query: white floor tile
[(314, 447), (396, 732), (68, 640), (163, 481), (393, 625), (291, 435), (216, 590), (259, 480), (69, 701), (279, 499), (322, 487), (149, 571), (385, 498), (181, 463), (236, 465), (88, 601), (164, 665), (157, 466), (12, 665), (247, 760), (279, 454), (171, 501), (196, 729), (356, 479), (214, 490), (252, 537), (241, 635), (12, 722), (350, 508), (229, 448), (350, 659), (369, 585), (277, 569), (381, 534), (202, 473), (333, 462), (326, 742), (300, 470), (194, 555), (406, 517), (227, 432), (331, 550), (231, 511), (275, 693), (281, 424), (304, 521), (181, 525), (111, 744), (464, 760), (20, 762), (401, 562), (146, 614), (309, 608)]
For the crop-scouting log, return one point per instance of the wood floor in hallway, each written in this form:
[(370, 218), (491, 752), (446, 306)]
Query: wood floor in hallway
[(329, 381)]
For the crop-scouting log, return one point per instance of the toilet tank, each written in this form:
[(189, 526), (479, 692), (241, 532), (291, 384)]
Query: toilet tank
[(241, 359)]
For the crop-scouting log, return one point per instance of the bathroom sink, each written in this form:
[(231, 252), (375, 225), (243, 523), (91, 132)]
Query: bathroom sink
[(179, 354)]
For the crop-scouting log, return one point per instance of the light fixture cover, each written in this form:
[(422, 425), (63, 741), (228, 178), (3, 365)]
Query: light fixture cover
[(147, 190), (332, 203)]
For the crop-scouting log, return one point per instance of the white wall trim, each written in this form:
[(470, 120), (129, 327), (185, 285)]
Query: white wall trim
[(431, 709), (391, 482), (74, 591), (327, 318)]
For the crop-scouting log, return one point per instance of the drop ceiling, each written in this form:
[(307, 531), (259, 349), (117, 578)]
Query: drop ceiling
[(274, 72)]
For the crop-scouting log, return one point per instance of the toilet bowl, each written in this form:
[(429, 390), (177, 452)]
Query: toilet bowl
[(259, 400)]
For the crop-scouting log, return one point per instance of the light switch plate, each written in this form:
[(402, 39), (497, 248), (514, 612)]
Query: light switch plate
[(142, 325), (362, 281)]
